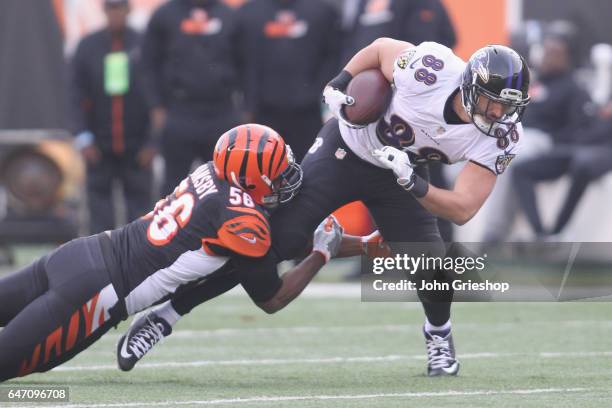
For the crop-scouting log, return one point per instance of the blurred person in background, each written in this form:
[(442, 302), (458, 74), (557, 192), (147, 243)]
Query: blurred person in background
[(292, 48), (190, 70), (414, 21), (111, 120), (556, 115), (584, 158)]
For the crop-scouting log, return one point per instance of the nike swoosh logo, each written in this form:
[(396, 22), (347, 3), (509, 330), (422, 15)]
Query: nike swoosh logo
[(124, 353), (249, 240), (452, 369)]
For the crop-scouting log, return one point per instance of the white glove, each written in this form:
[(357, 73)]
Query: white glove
[(398, 161), (374, 245), (327, 238), (335, 99)]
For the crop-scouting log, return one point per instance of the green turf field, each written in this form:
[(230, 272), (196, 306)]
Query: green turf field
[(328, 349)]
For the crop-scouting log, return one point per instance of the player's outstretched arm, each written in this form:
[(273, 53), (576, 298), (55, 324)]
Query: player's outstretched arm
[(458, 205), (326, 243), (372, 245), (380, 54)]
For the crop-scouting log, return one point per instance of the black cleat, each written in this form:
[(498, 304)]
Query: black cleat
[(440, 354), (144, 333)]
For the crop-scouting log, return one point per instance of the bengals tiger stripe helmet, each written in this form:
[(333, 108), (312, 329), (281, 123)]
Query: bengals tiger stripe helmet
[(255, 158)]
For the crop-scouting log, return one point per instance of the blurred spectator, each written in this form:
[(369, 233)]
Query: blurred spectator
[(556, 113), (592, 26), (292, 51), (112, 122), (584, 159), (414, 21), (190, 68)]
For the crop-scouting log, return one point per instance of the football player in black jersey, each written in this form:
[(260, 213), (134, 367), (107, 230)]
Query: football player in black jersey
[(66, 300)]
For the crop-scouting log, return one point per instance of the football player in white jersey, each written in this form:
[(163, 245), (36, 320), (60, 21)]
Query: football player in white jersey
[(435, 95), (427, 79), (442, 109)]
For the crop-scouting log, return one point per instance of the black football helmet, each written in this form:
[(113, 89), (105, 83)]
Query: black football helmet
[(500, 74)]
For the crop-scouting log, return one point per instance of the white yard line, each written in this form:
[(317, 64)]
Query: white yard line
[(330, 397), (409, 327), (329, 360), (319, 290)]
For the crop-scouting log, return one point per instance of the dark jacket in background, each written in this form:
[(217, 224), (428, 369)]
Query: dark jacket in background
[(119, 123), (559, 107), (598, 133), (190, 56), (291, 50), (414, 21)]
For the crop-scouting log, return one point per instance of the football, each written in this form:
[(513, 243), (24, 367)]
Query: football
[(372, 93)]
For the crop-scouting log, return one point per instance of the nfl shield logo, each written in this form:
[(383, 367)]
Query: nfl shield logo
[(340, 153), (502, 162)]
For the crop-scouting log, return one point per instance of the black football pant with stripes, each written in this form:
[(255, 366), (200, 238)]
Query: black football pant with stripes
[(55, 308), (333, 177)]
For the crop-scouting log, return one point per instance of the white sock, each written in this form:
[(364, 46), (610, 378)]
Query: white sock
[(167, 312), (430, 327)]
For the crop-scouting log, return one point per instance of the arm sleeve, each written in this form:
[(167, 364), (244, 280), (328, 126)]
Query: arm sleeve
[(151, 63), (191, 295), (258, 276)]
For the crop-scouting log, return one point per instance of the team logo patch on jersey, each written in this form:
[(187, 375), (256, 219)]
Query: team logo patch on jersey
[(286, 25), (503, 161), (340, 153), (404, 60), (200, 23)]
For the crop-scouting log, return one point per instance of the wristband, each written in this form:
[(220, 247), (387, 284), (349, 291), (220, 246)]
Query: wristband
[(420, 187), (417, 185), (341, 81)]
